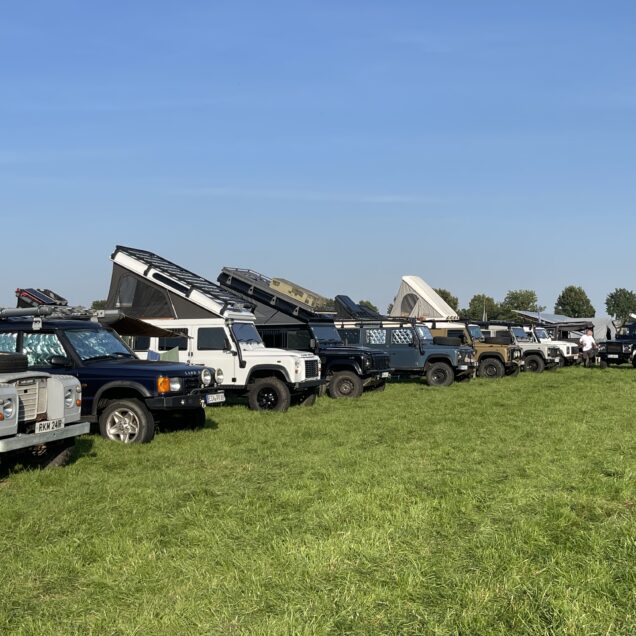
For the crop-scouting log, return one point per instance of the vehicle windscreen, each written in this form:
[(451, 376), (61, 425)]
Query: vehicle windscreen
[(326, 334), (475, 332), (521, 335), (246, 332), (423, 332), (97, 344), (542, 334)]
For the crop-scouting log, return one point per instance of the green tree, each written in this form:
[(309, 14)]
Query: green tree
[(479, 305), (621, 303), (369, 305), (574, 302), (453, 301), (521, 300), (98, 304)]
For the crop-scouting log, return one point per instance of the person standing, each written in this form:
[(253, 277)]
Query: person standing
[(588, 347)]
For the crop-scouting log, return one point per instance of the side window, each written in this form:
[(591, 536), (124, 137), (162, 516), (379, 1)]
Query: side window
[(298, 339), (456, 333), (211, 339), (39, 347), (276, 338), (376, 336), (9, 342), (180, 342), (402, 336), (140, 343), (350, 336)]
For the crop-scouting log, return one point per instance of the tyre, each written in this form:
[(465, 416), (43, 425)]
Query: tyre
[(491, 368), (535, 363), (345, 384), (268, 394), (440, 374), (13, 363), (127, 421), (603, 364)]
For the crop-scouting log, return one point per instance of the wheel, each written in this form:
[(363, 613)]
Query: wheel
[(13, 363), (561, 362), (440, 374), (603, 364), (491, 368), (535, 363), (127, 421), (268, 394), (52, 455), (345, 384)]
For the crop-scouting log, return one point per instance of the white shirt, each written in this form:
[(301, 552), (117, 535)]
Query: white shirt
[(587, 342)]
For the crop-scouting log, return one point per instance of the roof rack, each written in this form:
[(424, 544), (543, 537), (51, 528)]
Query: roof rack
[(178, 280), (270, 292)]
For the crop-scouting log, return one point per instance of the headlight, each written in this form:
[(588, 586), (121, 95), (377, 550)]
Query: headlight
[(207, 377), (219, 376), (165, 385), (69, 398), (368, 361), (8, 408), (602, 347), (297, 366), (627, 348)]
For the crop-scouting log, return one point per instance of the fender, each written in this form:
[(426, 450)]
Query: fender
[(440, 358), (269, 367), (534, 352), (345, 365), (489, 355), (119, 384)]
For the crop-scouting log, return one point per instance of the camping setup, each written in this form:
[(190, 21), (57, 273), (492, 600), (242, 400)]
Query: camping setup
[(417, 299)]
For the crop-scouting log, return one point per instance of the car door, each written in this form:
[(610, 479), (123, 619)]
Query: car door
[(212, 347)]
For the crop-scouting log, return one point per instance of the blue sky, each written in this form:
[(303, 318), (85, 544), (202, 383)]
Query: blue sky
[(485, 146)]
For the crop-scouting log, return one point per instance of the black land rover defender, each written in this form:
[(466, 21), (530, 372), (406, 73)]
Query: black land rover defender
[(619, 351), (285, 319)]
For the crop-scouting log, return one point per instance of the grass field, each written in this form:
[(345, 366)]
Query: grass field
[(502, 507)]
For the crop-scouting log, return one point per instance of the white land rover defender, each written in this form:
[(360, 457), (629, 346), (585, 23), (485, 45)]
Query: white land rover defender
[(569, 350), (39, 414), (213, 327)]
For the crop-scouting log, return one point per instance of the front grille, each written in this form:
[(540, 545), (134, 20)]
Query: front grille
[(30, 394), (382, 362), (311, 369), (191, 383), (614, 347), (575, 349)]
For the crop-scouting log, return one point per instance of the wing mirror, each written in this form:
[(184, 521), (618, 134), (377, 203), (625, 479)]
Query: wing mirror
[(59, 361)]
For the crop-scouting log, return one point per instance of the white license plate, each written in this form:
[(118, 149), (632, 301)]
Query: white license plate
[(214, 398), (386, 374), (463, 367), (612, 355), (48, 425)]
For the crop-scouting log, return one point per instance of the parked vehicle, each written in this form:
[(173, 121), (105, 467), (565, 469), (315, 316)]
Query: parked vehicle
[(284, 318), (413, 350), (569, 350), (213, 327), (494, 358), (125, 396), (622, 350), (39, 414), (537, 356)]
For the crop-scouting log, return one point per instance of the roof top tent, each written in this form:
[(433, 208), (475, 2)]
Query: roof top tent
[(347, 309), (276, 300), (604, 327), (417, 299), (145, 285)]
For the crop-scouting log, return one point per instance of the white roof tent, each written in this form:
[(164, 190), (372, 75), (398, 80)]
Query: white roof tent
[(604, 327), (417, 299), (145, 285)]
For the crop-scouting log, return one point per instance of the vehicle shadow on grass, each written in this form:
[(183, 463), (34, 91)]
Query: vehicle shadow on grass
[(13, 463)]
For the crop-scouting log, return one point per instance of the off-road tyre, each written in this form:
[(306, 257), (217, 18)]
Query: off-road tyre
[(268, 394), (345, 384), (127, 421), (13, 363), (535, 363), (440, 374), (491, 368)]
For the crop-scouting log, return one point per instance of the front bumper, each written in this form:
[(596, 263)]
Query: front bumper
[(193, 400), (615, 358), (27, 440), (308, 384), (377, 378), (465, 369)]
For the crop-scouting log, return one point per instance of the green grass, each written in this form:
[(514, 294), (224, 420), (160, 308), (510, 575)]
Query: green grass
[(486, 508)]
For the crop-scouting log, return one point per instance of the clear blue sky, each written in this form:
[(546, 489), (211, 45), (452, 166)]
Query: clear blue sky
[(485, 146)]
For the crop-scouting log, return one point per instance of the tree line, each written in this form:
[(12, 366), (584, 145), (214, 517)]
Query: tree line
[(572, 301)]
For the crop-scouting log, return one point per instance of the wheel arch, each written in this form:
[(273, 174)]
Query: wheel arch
[(118, 390)]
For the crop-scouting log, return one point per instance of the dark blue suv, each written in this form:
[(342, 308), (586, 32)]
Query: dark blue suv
[(126, 396)]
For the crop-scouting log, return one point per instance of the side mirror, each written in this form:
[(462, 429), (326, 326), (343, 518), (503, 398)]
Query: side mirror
[(59, 361), (312, 343)]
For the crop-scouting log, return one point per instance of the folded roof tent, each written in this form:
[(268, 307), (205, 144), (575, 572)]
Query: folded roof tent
[(417, 299)]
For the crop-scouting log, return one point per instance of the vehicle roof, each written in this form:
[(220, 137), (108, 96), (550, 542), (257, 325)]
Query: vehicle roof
[(23, 324)]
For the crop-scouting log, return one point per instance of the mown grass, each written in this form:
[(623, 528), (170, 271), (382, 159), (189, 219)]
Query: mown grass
[(487, 508)]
